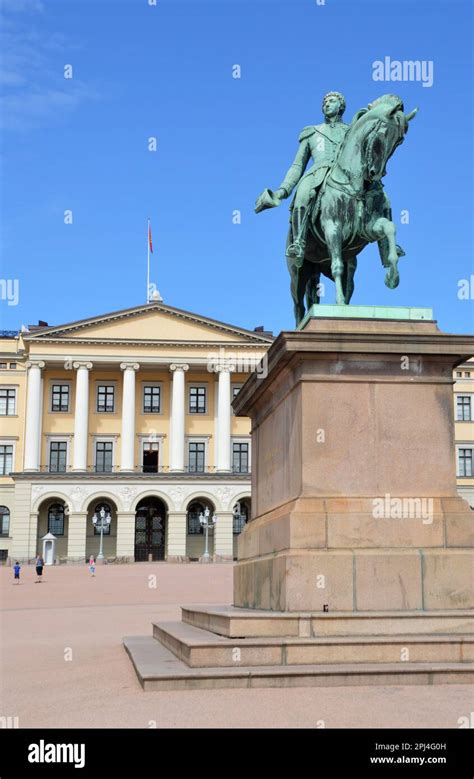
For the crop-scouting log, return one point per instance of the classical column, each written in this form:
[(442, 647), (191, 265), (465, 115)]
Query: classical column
[(223, 418), (128, 416), (76, 540), (177, 416), (81, 415), (224, 537), (176, 537), (126, 535), (33, 416)]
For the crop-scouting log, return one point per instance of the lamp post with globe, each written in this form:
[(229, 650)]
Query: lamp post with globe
[(101, 521), (207, 522)]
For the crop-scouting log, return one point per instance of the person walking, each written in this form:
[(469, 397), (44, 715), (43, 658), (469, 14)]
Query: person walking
[(16, 573), (39, 567), (92, 565)]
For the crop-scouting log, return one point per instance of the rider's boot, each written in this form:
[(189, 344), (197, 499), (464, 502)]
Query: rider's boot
[(296, 249)]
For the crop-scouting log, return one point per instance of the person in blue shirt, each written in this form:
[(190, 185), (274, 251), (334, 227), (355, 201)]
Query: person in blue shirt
[(16, 573)]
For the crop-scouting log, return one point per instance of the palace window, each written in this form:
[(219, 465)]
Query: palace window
[(151, 400), (105, 398), (465, 462), (104, 452), (58, 456), (463, 408), (234, 392), (13, 366), (240, 458), (6, 459), (150, 457), (60, 397), (197, 400), (56, 519), (196, 457), (7, 402), (4, 521)]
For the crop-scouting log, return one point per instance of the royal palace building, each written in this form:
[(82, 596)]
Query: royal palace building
[(464, 429), (130, 412)]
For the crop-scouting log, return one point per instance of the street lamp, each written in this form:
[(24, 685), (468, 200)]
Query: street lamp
[(206, 522), (101, 521)]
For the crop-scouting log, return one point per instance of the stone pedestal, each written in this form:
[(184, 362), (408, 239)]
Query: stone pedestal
[(354, 498), (356, 566)]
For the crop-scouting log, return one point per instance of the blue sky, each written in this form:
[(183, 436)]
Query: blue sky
[(166, 71)]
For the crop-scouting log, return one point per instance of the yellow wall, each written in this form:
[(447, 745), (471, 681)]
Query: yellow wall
[(464, 431), (109, 424), (13, 426)]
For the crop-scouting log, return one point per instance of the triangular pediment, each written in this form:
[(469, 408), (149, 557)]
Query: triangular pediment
[(155, 323)]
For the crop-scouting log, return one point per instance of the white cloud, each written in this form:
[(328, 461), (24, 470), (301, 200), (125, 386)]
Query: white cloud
[(34, 91), (18, 6)]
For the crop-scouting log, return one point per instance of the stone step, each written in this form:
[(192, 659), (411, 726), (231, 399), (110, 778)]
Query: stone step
[(200, 648), (158, 669), (247, 623)]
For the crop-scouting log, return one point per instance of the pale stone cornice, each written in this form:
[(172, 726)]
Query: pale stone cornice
[(157, 343), (151, 362), (129, 477)]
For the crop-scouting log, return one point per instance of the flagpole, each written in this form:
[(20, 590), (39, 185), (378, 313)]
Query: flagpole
[(148, 262)]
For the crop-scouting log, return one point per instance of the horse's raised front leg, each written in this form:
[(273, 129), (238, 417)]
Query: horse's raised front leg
[(384, 228), (333, 235)]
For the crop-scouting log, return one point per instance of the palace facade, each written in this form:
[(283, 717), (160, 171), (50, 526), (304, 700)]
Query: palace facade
[(129, 412), (464, 429)]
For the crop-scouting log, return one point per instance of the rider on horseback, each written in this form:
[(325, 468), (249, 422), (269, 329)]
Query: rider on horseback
[(320, 143)]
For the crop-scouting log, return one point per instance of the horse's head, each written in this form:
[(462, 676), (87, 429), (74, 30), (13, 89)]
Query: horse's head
[(381, 128)]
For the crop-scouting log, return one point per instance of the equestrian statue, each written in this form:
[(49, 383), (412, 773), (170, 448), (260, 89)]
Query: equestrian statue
[(339, 204)]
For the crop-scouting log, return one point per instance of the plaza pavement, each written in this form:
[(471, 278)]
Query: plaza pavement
[(73, 615)]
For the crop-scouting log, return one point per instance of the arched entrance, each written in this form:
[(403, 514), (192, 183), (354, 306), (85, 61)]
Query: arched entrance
[(53, 517), (150, 526), (109, 535)]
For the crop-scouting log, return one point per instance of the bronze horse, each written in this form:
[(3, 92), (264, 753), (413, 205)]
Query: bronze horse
[(351, 209)]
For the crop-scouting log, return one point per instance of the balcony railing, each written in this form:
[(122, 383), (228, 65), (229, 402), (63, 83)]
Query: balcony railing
[(145, 469)]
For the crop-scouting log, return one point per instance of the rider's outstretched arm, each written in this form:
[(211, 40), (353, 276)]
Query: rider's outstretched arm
[(297, 168)]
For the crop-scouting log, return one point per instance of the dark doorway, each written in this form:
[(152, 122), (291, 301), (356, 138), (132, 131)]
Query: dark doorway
[(150, 523)]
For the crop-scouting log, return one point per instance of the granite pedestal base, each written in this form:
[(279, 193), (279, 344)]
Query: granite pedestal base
[(357, 564)]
